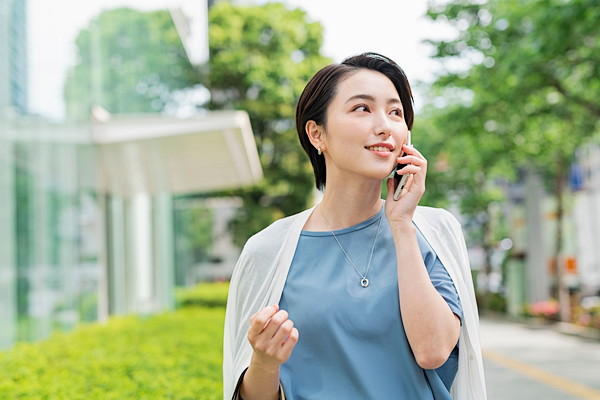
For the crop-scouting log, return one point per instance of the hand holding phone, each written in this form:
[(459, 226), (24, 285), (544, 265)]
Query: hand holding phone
[(401, 179)]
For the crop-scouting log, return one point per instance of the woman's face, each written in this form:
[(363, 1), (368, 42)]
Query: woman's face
[(365, 127)]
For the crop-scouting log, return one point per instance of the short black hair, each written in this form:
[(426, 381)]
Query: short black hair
[(322, 88)]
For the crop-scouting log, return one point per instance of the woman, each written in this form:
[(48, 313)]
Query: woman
[(355, 298)]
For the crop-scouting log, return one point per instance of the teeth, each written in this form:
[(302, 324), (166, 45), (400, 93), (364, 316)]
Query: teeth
[(378, 148)]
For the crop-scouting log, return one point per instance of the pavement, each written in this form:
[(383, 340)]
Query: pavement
[(538, 362)]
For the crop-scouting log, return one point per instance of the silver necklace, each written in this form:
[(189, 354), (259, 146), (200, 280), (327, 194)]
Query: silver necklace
[(364, 282)]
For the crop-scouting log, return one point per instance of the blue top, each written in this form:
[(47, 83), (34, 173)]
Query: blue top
[(352, 342)]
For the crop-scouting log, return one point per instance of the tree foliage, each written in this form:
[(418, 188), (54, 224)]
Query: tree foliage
[(128, 62), (519, 92), (528, 94), (260, 59)]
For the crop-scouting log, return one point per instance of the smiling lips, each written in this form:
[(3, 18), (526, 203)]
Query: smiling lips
[(378, 148), (382, 149)]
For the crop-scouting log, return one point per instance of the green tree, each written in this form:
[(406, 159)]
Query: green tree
[(128, 62), (193, 235), (260, 59), (526, 95), (463, 169)]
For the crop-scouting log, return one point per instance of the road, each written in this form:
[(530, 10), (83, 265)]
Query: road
[(530, 363)]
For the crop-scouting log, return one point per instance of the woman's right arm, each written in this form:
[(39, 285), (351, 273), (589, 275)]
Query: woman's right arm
[(273, 337)]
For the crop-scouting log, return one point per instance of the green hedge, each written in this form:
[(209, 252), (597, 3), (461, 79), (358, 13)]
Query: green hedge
[(204, 295), (175, 355)]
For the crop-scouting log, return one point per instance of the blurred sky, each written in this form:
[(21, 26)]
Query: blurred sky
[(392, 27)]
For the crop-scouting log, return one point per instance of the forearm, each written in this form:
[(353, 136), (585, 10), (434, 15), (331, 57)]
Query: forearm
[(260, 383), (431, 327), (273, 337)]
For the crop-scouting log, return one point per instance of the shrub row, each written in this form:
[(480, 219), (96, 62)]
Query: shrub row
[(203, 295), (174, 355)]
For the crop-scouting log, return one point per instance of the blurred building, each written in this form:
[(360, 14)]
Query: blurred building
[(87, 207), (585, 184), (531, 273), (13, 56)]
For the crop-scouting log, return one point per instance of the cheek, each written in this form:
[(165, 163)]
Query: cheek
[(401, 133), (341, 134)]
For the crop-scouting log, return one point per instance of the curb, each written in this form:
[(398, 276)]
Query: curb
[(565, 328), (583, 332)]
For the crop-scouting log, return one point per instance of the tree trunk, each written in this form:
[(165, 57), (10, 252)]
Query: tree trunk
[(561, 290), (487, 250)]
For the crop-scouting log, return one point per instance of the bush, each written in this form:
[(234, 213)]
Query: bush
[(175, 355), (549, 310), (588, 314), (490, 301), (203, 295)]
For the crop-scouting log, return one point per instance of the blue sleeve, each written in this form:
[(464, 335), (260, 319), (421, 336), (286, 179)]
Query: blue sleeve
[(443, 283), (439, 276)]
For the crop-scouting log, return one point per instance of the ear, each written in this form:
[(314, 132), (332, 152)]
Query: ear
[(315, 134)]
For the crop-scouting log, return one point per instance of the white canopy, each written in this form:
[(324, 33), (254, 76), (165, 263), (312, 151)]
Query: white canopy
[(158, 154)]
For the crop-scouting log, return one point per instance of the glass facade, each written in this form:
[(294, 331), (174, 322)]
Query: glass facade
[(8, 280), (49, 251), (13, 56), (90, 219), (48, 262), (70, 252)]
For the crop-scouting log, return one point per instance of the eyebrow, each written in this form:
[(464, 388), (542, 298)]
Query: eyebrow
[(368, 97)]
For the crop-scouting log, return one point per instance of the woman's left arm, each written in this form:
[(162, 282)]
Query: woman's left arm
[(431, 327)]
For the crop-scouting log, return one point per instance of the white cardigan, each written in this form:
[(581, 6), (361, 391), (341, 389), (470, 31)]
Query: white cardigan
[(261, 271)]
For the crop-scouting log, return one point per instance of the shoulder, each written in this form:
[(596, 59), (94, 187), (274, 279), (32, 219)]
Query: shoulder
[(277, 229), (260, 255), (268, 241), (439, 218)]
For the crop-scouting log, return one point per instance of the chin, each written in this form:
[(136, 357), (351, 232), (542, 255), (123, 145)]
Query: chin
[(375, 171), (380, 176), (386, 172)]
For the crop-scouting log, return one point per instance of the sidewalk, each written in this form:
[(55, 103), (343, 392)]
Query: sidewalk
[(565, 328), (579, 331), (533, 361)]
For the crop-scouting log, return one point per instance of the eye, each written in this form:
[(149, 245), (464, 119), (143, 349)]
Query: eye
[(396, 111), (361, 107)]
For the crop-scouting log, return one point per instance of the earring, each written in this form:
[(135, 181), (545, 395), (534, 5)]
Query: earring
[(319, 151)]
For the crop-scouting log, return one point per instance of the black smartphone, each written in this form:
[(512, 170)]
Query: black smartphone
[(400, 180)]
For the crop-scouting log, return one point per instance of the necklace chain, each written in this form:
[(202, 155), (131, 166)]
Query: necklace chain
[(364, 282)]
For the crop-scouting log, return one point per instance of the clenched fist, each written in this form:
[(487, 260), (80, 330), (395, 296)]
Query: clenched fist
[(272, 336)]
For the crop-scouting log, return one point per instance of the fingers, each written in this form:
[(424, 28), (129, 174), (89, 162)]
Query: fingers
[(410, 169), (416, 170), (416, 164), (272, 335), (411, 150), (259, 321), (412, 156), (289, 344), (275, 324), (390, 189), (284, 331)]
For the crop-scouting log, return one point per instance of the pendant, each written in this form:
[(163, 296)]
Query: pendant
[(364, 282)]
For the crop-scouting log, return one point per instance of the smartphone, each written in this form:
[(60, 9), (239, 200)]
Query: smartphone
[(400, 180)]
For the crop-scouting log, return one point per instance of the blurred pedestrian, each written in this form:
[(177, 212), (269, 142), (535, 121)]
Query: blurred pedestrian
[(357, 297)]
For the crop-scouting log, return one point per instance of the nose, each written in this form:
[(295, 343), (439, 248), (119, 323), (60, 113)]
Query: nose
[(382, 125)]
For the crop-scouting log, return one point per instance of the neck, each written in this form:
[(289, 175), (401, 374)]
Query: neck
[(347, 205)]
